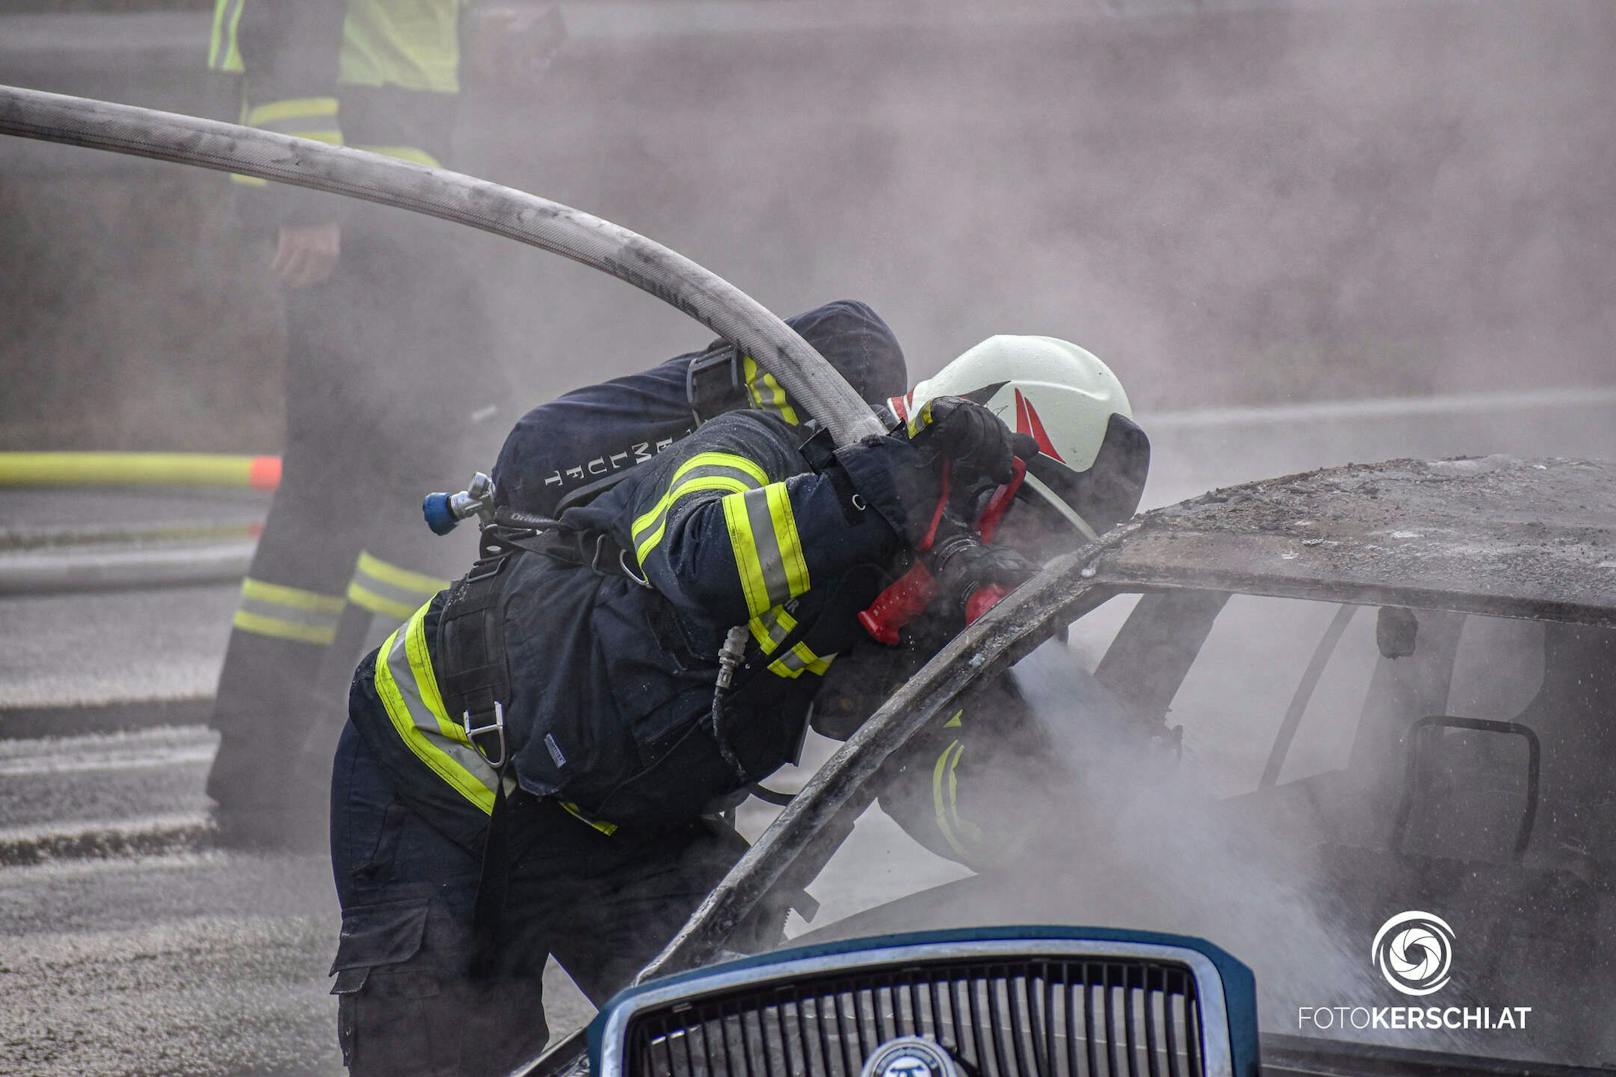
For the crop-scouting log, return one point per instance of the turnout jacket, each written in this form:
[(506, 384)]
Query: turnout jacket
[(378, 75), (594, 433), (612, 680)]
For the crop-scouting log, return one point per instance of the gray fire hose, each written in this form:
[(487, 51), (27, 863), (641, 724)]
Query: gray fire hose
[(810, 382)]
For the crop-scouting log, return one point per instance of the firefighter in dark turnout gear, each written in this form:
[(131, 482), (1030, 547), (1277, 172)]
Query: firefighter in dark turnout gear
[(615, 745), (544, 741), (389, 383)]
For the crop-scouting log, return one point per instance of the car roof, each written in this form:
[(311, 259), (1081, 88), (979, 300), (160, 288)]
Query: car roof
[(1494, 535)]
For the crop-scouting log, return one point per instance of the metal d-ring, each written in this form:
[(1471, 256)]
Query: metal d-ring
[(622, 560)]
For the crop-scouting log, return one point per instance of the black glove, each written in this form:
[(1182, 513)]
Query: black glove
[(977, 445), (963, 565), (899, 477), (966, 433)]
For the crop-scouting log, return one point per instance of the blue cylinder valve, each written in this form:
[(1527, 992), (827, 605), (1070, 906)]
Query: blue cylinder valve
[(440, 516)]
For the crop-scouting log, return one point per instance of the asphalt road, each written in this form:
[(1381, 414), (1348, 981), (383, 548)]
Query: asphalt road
[(133, 945)]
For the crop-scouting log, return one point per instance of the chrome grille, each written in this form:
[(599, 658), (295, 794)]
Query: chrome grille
[(1033, 1017)]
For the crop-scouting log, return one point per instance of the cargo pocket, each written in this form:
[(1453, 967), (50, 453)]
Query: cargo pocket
[(389, 1016)]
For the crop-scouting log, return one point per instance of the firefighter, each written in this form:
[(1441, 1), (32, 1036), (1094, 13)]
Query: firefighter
[(376, 305), (532, 761)]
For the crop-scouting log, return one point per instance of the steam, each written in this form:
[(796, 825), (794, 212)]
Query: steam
[(1231, 203)]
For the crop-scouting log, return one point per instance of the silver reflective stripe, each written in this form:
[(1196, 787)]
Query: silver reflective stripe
[(770, 630), (316, 619), (792, 661), (458, 762), (388, 589), (770, 560)]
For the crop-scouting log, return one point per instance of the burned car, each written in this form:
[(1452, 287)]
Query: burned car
[(1359, 734)]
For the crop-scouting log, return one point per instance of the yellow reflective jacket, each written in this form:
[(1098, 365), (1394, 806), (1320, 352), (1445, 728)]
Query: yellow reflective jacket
[(379, 75)]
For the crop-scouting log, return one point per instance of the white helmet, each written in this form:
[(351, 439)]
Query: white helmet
[(1092, 458)]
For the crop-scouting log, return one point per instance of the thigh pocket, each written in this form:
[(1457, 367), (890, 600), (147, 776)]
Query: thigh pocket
[(390, 1016)]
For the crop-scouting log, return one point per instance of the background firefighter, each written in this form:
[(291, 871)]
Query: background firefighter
[(389, 386), (595, 650)]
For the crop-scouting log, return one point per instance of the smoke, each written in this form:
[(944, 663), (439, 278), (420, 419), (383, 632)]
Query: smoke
[(1129, 833), (1092, 823), (1231, 203)]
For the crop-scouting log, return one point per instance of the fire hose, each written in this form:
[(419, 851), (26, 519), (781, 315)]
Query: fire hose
[(810, 382)]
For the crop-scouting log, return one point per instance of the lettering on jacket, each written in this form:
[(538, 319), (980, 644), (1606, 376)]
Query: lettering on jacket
[(638, 453)]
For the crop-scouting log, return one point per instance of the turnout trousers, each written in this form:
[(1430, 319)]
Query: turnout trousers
[(601, 905), (391, 389)]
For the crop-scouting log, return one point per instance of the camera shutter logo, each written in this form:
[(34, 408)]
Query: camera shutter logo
[(1414, 951)]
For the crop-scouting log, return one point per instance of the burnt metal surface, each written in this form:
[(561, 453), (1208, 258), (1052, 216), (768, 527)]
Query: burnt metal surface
[(1494, 535)]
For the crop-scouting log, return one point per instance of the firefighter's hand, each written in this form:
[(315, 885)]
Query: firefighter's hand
[(307, 254), (964, 566), (971, 437)]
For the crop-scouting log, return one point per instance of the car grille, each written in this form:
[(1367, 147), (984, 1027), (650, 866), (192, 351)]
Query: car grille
[(1040, 1017)]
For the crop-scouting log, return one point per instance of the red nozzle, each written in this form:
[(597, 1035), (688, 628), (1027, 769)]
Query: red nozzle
[(903, 600), (908, 596), (982, 599)]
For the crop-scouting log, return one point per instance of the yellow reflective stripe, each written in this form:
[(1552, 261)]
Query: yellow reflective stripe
[(411, 724), (248, 181), (703, 465), (689, 486), (367, 599), (749, 375), (785, 533), (787, 412), (426, 679), (743, 544), (223, 55), (273, 609), (770, 630), (919, 419), (264, 625), (956, 721), (293, 108), (768, 549), (330, 135), (294, 597), (772, 627), (703, 460), (412, 154), (945, 795), (766, 392), (811, 661), (599, 824), (417, 582)]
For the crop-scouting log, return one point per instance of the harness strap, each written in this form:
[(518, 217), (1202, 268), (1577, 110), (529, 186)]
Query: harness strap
[(713, 383), (474, 677), (493, 884), (594, 550)]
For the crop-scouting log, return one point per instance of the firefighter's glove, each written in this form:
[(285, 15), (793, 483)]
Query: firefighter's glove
[(979, 448), (963, 565)]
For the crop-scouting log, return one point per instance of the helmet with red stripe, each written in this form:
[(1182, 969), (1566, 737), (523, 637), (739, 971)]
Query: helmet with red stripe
[(1092, 458)]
